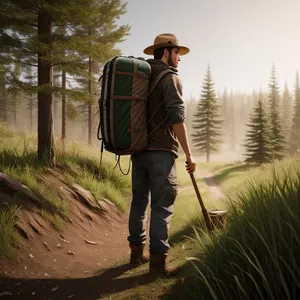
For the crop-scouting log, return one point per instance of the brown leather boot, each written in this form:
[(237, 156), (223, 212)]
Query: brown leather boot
[(158, 266), (137, 257)]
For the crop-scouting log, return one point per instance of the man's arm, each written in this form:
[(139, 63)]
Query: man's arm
[(180, 131)]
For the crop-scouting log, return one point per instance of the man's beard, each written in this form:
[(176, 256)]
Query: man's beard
[(170, 62)]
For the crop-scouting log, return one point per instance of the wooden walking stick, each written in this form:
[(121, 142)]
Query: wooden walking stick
[(204, 211)]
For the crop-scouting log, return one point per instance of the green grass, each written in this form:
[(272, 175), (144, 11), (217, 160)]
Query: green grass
[(182, 176), (103, 189), (76, 163), (257, 256), (55, 219), (254, 257), (232, 263), (79, 163), (8, 237), (156, 288), (187, 215), (230, 176)]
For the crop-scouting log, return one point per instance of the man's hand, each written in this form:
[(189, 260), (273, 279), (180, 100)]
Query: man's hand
[(190, 164), (180, 131)]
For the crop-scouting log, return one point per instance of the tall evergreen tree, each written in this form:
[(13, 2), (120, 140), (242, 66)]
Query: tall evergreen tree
[(3, 94), (276, 136), (295, 132), (232, 125), (287, 112), (257, 137), (26, 32), (30, 98), (226, 114), (207, 120), (15, 96), (190, 106)]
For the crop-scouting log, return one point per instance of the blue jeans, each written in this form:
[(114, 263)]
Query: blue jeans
[(153, 176)]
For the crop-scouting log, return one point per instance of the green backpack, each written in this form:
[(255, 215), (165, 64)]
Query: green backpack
[(123, 105)]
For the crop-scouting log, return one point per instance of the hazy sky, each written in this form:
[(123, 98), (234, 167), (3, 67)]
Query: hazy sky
[(240, 39)]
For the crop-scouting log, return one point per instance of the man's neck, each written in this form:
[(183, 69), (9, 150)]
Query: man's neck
[(164, 60)]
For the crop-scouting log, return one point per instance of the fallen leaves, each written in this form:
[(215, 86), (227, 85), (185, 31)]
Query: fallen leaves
[(46, 245), (90, 242)]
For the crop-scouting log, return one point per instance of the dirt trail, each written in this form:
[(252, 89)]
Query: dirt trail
[(210, 180), (214, 188), (76, 283)]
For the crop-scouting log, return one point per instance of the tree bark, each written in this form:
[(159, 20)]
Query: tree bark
[(3, 117), (15, 110), (90, 105), (90, 121), (63, 108), (31, 112), (207, 156), (45, 114)]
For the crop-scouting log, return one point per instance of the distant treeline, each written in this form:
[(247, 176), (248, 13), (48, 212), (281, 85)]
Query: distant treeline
[(51, 57), (262, 126)]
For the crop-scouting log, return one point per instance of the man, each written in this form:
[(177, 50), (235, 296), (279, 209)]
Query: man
[(154, 170)]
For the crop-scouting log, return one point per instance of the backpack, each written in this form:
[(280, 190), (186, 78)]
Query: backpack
[(123, 105)]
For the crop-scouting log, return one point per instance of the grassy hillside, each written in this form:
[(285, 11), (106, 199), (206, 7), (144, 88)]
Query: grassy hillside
[(257, 256), (75, 164), (254, 257)]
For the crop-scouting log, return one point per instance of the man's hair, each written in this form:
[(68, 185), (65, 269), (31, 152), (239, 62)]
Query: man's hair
[(158, 53)]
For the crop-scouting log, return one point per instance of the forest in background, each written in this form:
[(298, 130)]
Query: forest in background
[(20, 111), (52, 55)]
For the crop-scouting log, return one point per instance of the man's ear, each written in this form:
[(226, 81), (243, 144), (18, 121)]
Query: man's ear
[(166, 52)]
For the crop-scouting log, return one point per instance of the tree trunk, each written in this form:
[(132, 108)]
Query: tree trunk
[(15, 110), (90, 105), (45, 114), (31, 112), (207, 156), (90, 108), (63, 107), (3, 117)]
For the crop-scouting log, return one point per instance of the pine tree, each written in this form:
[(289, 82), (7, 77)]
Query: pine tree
[(257, 137), (30, 98), (276, 136), (287, 112), (15, 96), (232, 125), (3, 95), (295, 132), (207, 119), (27, 33), (190, 107), (226, 114), (98, 35)]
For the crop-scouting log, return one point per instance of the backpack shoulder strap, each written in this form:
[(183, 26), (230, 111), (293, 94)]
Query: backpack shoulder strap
[(156, 82), (158, 79)]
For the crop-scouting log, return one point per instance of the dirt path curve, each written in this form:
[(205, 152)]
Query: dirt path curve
[(89, 287), (215, 190), (211, 182)]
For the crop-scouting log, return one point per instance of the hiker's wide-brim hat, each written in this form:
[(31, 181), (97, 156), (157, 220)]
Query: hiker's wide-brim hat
[(166, 40)]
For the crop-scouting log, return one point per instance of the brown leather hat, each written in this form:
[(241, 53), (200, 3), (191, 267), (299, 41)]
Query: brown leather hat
[(166, 40)]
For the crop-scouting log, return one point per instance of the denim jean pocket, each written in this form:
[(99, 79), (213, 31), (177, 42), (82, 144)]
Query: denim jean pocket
[(173, 185)]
